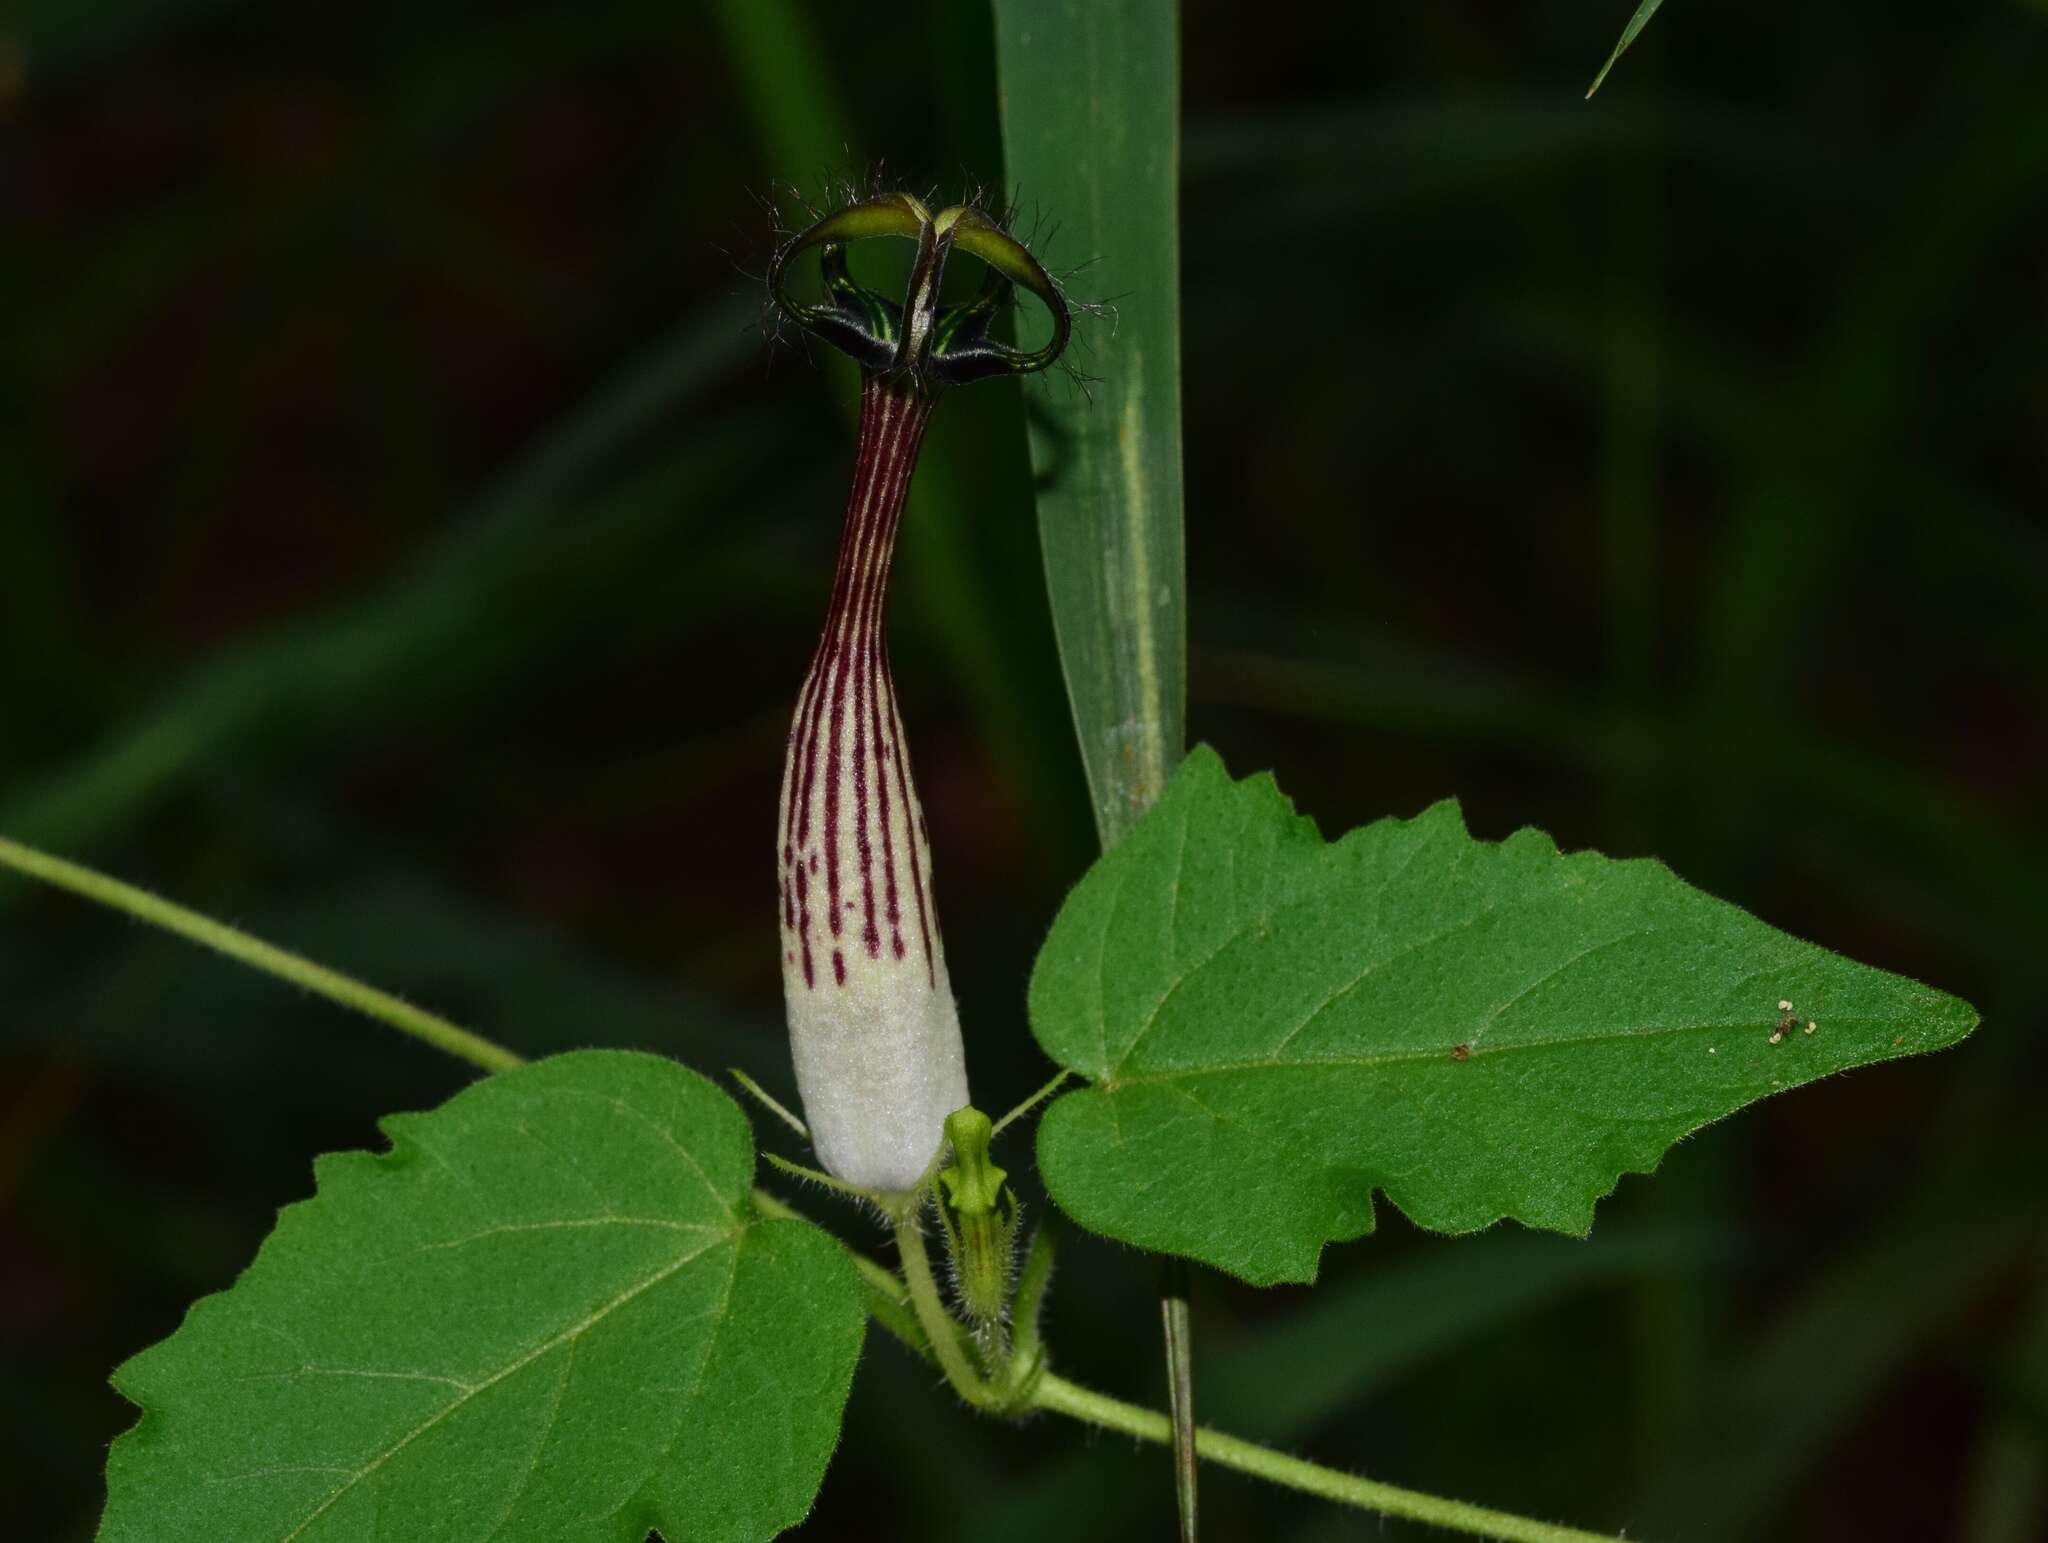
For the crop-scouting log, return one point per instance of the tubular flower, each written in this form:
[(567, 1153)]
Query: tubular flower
[(872, 1022)]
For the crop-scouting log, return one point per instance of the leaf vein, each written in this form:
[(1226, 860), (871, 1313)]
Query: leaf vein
[(1404, 1057), (567, 1336)]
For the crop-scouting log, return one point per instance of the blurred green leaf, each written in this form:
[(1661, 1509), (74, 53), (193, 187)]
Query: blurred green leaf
[(1978, 170), (60, 38), (1276, 1027), (185, 1023), (780, 68), (45, 648), (1091, 101), (1636, 23), (2007, 1494), (549, 1305), (1827, 1354), (1843, 803), (1333, 160), (1279, 1382), (505, 560)]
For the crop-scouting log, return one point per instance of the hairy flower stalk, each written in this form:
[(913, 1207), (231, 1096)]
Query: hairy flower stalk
[(873, 1027)]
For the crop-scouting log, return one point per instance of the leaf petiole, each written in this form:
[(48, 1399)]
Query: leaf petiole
[(768, 1101), (1029, 1104)]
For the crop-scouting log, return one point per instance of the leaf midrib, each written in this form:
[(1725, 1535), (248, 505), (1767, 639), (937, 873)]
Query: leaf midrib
[(1404, 1057), (569, 1336), (1324, 858)]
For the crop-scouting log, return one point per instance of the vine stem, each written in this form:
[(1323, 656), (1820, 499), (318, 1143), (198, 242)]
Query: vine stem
[(341, 989), (1060, 1396), (1054, 1394), (933, 1318), (926, 1328)]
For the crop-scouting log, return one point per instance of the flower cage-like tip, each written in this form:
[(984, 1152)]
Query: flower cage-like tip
[(932, 343)]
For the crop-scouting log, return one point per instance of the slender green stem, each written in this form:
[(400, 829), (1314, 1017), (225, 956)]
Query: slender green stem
[(887, 1204), (938, 1324), (1084, 1404), (257, 954), (768, 1101), (1180, 1387), (1029, 1104), (1056, 1395), (1027, 1311), (892, 1314)]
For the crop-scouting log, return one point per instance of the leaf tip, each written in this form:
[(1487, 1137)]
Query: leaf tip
[(1951, 1020)]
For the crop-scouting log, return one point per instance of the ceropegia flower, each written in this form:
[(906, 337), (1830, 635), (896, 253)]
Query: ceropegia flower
[(872, 1022)]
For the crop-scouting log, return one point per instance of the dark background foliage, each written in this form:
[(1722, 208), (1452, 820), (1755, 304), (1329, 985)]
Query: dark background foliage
[(409, 548)]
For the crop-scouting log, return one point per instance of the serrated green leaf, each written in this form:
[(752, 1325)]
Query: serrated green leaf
[(1276, 1026), (548, 1313)]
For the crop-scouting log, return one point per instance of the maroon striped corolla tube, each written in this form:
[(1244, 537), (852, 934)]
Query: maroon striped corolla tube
[(872, 1023)]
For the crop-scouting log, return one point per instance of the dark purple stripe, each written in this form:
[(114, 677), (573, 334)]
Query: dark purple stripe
[(802, 772), (911, 829), (854, 644), (859, 660), (860, 535), (913, 816), (884, 739), (873, 648), (805, 729)]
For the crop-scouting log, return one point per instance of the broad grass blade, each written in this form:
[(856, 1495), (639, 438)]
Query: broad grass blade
[(1090, 103)]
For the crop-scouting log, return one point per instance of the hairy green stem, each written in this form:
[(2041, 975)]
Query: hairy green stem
[(1084, 1404), (1029, 1104), (1027, 1312), (254, 952), (938, 1324), (1056, 1395)]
